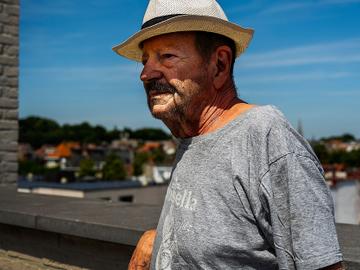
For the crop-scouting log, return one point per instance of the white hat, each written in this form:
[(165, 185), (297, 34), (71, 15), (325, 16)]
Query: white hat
[(169, 16)]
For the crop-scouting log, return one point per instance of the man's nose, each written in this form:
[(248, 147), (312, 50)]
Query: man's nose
[(150, 71)]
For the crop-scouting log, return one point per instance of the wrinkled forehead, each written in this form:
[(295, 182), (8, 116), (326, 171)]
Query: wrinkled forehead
[(176, 40)]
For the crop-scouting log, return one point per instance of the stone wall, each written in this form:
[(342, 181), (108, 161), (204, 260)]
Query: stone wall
[(9, 82), (23, 248)]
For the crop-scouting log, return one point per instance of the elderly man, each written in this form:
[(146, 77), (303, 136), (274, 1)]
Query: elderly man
[(247, 191)]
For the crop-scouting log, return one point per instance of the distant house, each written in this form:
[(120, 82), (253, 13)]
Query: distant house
[(125, 142), (67, 157), (162, 174), (338, 145), (334, 173), (96, 153), (169, 147), (46, 153), (125, 153), (354, 174), (76, 157), (25, 152), (353, 146), (54, 156), (155, 174), (157, 170), (149, 146)]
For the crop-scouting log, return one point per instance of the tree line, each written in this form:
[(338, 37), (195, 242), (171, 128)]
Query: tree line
[(350, 159), (38, 131)]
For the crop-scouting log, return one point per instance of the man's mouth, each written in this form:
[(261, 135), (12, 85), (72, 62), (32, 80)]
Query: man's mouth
[(155, 93)]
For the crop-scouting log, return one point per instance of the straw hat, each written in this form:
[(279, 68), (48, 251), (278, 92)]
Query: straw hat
[(169, 16)]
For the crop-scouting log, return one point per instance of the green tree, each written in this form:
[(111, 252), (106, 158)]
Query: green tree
[(87, 167), (114, 168), (321, 152), (38, 131), (158, 155), (344, 138), (337, 157), (139, 160), (352, 159), (347, 137), (30, 166), (150, 134), (113, 134)]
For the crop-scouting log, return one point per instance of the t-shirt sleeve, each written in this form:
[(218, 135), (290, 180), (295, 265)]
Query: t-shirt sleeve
[(301, 212)]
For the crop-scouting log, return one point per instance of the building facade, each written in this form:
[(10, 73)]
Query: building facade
[(9, 83)]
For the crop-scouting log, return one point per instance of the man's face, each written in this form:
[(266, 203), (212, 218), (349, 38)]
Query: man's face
[(175, 76)]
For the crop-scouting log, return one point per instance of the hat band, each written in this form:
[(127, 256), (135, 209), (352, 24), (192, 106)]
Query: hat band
[(158, 20)]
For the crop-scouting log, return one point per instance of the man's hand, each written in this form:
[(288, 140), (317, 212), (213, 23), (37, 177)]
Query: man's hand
[(141, 257)]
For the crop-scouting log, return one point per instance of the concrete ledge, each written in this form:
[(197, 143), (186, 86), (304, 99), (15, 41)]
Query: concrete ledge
[(116, 222), (349, 239), (23, 248)]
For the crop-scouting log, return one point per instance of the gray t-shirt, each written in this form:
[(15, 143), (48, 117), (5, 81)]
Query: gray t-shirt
[(250, 195)]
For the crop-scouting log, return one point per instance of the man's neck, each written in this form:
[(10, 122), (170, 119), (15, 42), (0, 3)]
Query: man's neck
[(221, 110)]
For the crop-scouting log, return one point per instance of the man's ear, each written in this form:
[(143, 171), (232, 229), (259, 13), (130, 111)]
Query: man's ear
[(222, 58)]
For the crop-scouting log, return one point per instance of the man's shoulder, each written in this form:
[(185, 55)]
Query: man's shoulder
[(256, 123), (260, 120), (255, 130), (262, 131), (269, 131)]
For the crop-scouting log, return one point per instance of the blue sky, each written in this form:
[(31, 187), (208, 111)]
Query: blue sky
[(304, 58)]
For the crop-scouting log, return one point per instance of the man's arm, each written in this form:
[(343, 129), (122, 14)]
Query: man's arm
[(303, 223), (141, 257)]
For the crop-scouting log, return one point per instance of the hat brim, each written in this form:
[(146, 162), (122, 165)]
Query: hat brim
[(184, 23)]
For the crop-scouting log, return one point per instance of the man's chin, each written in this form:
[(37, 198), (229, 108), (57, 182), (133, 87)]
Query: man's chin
[(161, 113)]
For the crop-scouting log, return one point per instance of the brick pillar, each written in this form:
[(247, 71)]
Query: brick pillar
[(9, 72)]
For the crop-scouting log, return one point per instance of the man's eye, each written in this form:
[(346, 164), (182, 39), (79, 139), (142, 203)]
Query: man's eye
[(167, 56)]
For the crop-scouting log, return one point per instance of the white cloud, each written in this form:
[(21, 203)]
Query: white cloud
[(305, 5), (85, 75), (284, 8), (338, 2), (346, 51), (250, 6), (47, 8), (342, 93), (298, 76), (40, 39), (298, 61), (260, 92)]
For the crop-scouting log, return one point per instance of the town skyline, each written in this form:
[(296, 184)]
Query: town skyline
[(45, 146), (303, 59)]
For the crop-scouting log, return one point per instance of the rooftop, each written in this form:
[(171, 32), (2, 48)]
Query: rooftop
[(97, 227)]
